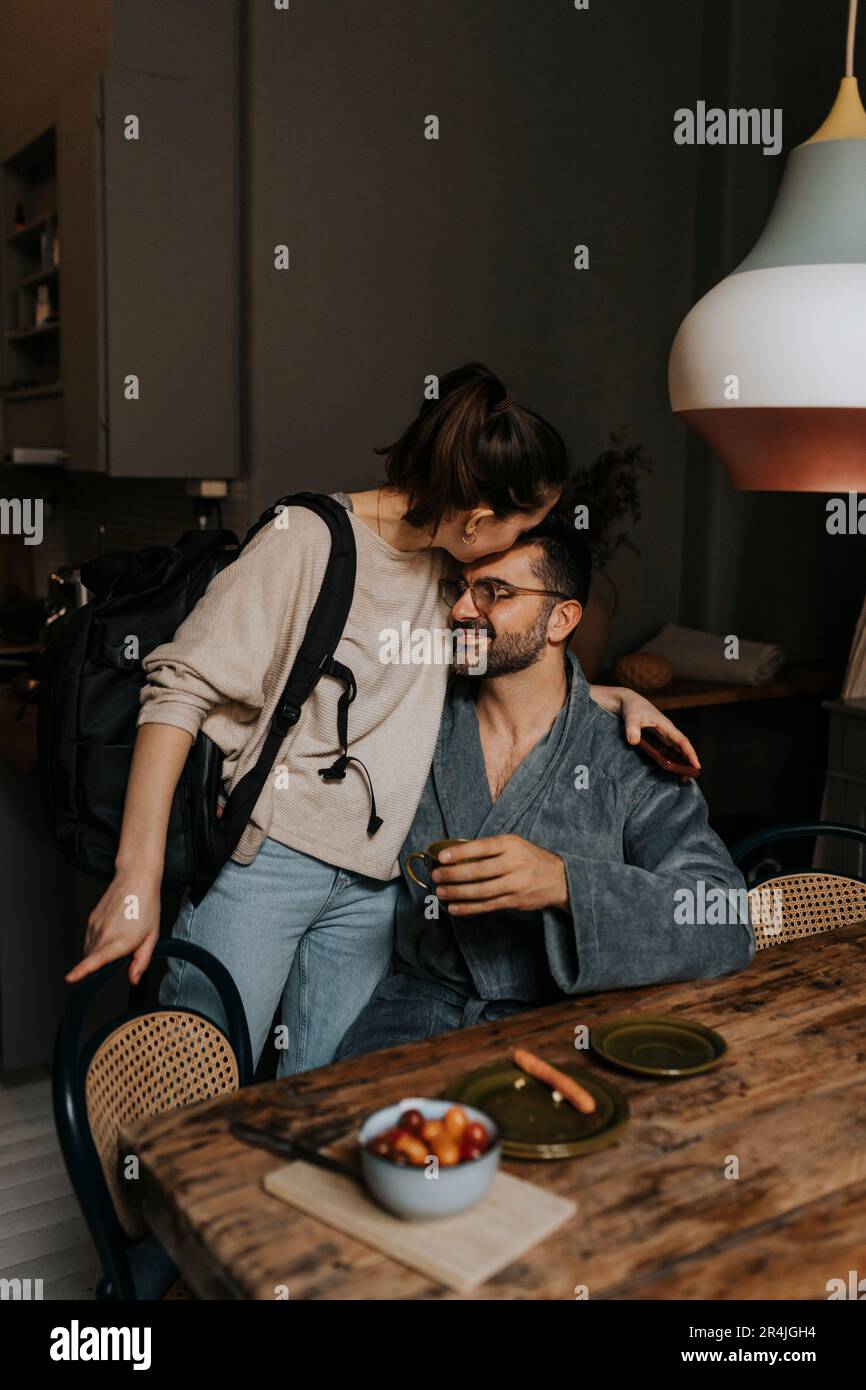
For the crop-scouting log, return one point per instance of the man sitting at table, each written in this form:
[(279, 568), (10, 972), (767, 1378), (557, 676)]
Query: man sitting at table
[(587, 867)]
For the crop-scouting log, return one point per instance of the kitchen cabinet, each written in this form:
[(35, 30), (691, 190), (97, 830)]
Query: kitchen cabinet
[(150, 268), (120, 256)]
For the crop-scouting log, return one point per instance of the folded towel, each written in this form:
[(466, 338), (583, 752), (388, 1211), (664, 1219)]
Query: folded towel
[(700, 656)]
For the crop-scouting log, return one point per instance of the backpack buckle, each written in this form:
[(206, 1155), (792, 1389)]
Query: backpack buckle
[(284, 719), (337, 771)]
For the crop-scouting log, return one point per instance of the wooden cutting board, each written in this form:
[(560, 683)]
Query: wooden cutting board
[(459, 1251)]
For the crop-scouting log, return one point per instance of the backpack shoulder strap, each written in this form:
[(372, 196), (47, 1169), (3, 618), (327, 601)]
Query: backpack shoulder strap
[(313, 659), (330, 611)]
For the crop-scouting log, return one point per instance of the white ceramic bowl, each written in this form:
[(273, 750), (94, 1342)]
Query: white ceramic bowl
[(408, 1191)]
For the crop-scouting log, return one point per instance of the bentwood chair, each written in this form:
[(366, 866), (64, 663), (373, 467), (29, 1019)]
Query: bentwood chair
[(142, 1063), (804, 902)]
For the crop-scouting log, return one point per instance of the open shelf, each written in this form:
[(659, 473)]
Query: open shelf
[(32, 412), (29, 393), (21, 335), (39, 277), (31, 230)]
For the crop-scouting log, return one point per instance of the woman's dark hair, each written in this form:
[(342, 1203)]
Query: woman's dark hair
[(473, 446)]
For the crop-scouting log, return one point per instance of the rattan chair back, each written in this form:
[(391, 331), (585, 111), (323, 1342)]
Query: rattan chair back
[(146, 1066), (792, 906)]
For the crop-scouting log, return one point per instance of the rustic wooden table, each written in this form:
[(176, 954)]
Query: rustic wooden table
[(657, 1216)]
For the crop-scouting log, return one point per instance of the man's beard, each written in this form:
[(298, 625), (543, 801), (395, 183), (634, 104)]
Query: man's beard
[(510, 652)]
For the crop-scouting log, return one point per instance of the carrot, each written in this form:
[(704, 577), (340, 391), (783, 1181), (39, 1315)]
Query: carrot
[(568, 1088)]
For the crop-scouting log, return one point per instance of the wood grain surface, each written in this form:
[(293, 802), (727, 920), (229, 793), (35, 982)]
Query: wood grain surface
[(658, 1217)]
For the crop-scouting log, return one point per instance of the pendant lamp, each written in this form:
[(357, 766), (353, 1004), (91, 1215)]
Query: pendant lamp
[(770, 366)]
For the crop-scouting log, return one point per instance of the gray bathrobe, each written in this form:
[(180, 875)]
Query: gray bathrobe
[(630, 836)]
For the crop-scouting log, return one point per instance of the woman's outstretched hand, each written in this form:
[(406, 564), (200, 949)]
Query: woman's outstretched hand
[(124, 922)]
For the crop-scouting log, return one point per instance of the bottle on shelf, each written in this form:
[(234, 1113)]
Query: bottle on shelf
[(44, 310)]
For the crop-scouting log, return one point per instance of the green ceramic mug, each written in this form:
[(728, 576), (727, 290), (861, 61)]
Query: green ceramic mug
[(429, 856)]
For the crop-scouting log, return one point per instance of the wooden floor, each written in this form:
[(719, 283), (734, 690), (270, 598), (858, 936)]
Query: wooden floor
[(42, 1233)]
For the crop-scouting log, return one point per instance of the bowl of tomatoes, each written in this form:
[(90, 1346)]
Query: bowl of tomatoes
[(426, 1158)]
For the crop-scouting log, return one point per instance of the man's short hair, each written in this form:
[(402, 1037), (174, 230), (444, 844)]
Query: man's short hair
[(563, 562)]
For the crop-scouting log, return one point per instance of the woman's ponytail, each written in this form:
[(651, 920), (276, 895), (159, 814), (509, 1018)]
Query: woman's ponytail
[(473, 445)]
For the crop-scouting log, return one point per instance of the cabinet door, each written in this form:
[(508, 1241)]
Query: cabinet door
[(82, 320), (172, 276)]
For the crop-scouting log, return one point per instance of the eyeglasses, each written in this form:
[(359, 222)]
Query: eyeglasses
[(486, 593)]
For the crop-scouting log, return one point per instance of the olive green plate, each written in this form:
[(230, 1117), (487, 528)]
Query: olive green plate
[(661, 1045), (532, 1123)]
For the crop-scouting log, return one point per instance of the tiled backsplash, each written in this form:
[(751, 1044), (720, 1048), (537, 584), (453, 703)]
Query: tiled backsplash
[(135, 512)]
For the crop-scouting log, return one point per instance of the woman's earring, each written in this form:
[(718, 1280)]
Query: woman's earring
[(469, 537)]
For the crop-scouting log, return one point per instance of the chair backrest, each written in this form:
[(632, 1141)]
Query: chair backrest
[(792, 906), (149, 1064), (139, 1064), (789, 906)]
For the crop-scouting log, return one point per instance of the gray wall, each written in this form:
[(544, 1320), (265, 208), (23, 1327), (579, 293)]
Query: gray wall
[(411, 256)]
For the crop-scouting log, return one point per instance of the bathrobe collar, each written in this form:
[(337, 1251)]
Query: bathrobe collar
[(460, 776)]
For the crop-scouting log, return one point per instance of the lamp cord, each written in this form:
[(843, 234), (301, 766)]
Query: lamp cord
[(849, 49)]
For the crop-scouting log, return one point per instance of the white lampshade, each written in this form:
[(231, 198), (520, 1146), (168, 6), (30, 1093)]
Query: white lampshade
[(770, 366)]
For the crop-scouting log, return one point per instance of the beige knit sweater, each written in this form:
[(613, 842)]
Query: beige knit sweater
[(228, 662)]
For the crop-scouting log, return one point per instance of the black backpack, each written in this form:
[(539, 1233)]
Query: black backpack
[(89, 699)]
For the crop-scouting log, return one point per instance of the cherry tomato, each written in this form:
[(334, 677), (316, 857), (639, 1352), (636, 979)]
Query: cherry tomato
[(412, 1120), (380, 1146), (456, 1122), (447, 1150), (431, 1130), (413, 1148), (475, 1133), (470, 1152)]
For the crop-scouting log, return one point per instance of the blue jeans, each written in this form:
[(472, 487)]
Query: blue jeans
[(294, 932)]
